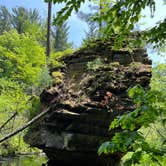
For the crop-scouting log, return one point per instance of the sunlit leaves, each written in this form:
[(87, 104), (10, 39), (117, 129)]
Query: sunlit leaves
[(151, 110), (12, 96), (119, 17), (121, 142), (157, 35), (21, 57), (65, 12)]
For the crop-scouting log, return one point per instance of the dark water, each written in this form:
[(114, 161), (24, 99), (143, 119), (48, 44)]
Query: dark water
[(35, 160)]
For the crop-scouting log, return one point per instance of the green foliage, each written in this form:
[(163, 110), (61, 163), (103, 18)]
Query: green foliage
[(156, 35), (44, 79), (66, 11), (35, 107), (94, 65), (136, 135), (23, 21), (92, 25), (60, 37), (25, 160), (12, 96), (58, 77), (120, 18), (54, 60), (23, 73), (158, 82), (5, 19), (21, 57)]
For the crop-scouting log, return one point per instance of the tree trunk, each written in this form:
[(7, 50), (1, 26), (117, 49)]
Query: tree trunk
[(100, 13), (49, 29)]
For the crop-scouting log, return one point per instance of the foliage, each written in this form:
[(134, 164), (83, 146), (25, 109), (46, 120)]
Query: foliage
[(54, 60), (94, 65), (35, 107), (66, 11), (5, 19), (92, 25), (21, 57), (24, 21), (120, 16), (12, 99), (23, 74), (12, 96), (58, 77), (156, 35), (24, 160), (60, 37), (44, 80), (150, 113)]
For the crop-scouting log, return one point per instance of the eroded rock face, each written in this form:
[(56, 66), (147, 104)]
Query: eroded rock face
[(83, 106)]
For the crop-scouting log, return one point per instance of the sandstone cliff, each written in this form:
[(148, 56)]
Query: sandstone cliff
[(93, 92)]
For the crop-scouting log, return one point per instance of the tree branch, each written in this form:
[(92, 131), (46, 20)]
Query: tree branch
[(26, 125)]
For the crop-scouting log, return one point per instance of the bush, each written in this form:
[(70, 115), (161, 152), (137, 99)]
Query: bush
[(94, 65), (21, 57), (54, 61)]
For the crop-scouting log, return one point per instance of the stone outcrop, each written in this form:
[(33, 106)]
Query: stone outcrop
[(85, 103)]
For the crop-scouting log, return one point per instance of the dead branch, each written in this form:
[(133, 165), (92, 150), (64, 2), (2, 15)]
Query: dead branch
[(45, 111), (13, 116)]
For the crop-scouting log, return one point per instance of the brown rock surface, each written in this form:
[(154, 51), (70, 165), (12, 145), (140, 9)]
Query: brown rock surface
[(86, 102)]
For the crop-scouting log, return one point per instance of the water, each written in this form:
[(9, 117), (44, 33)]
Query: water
[(35, 160)]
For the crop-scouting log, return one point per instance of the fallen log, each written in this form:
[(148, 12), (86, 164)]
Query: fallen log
[(45, 111)]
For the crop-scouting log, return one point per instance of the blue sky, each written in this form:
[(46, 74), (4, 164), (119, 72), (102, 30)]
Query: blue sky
[(77, 27)]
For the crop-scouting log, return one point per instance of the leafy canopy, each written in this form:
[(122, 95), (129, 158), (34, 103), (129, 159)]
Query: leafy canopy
[(120, 16), (21, 57)]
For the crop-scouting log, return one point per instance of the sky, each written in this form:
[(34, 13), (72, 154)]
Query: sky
[(78, 27)]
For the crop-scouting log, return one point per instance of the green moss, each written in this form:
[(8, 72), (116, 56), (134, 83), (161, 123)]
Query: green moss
[(114, 64), (94, 65), (58, 77), (55, 58)]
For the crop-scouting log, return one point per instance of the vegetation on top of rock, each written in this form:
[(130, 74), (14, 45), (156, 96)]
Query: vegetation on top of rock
[(118, 17), (55, 58)]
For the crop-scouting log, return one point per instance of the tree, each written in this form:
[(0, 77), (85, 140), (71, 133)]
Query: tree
[(92, 25), (48, 51), (95, 26), (60, 37), (5, 19), (21, 58), (121, 17), (24, 20)]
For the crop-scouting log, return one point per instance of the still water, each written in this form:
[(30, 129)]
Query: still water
[(24, 161)]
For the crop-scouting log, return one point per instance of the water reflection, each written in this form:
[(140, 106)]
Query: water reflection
[(35, 160)]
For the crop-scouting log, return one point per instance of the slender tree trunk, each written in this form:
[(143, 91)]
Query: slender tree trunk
[(49, 29), (100, 12)]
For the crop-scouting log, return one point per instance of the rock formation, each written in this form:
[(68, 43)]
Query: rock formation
[(93, 92)]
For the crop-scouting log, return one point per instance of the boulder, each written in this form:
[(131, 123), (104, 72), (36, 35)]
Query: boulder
[(85, 103)]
